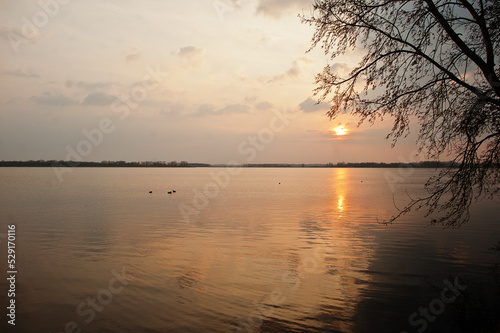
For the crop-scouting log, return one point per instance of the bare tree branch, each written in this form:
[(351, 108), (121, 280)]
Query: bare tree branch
[(430, 59)]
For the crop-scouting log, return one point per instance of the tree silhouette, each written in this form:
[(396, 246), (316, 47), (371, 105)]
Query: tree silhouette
[(434, 61)]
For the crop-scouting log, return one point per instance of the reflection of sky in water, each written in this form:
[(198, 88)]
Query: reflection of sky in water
[(302, 246)]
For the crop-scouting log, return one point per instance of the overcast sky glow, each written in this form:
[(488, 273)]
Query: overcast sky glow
[(171, 80)]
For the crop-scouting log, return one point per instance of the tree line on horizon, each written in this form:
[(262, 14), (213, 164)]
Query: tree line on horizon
[(185, 164), (115, 164)]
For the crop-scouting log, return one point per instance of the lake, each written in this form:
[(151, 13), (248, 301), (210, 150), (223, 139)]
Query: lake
[(242, 250)]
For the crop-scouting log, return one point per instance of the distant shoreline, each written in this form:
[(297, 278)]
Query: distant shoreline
[(184, 164)]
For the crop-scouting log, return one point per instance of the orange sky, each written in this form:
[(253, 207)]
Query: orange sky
[(196, 81)]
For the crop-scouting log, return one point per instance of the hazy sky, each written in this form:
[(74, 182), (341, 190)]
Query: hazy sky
[(202, 81)]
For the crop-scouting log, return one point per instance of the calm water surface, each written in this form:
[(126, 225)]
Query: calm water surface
[(269, 250)]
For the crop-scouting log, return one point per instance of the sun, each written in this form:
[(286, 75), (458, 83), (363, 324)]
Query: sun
[(340, 130)]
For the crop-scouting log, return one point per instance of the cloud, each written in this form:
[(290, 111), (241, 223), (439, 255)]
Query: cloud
[(250, 99), (233, 108), (209, 110), (340, 69), (171, 109), (310, 105), (56, 100), (133, 57), (93, 85), (293, 72), (279, 8), (263, 106), (191, 57), (22, 73), (97, 98), (318, 135), (205, 109), (190, 52)]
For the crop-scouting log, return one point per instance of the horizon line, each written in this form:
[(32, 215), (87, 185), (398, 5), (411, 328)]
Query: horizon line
[(122, 163)]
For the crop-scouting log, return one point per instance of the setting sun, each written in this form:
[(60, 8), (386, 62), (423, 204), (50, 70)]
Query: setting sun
[(340, 130)]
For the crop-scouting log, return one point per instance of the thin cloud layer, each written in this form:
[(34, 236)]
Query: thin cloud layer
[(98, 98), (172, 109), (133, 57), (310, 105), (279, 8), (48, 98), (263, 106), (210, 75), (29, 73), (210, 110), (293, 72), (93, 85), (190, 52)]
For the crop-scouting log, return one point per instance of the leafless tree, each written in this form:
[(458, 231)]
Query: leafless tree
[(429, 61)]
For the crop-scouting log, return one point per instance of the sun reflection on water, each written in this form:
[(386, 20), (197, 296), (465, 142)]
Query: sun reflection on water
[(340, 188), (341, 204)]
